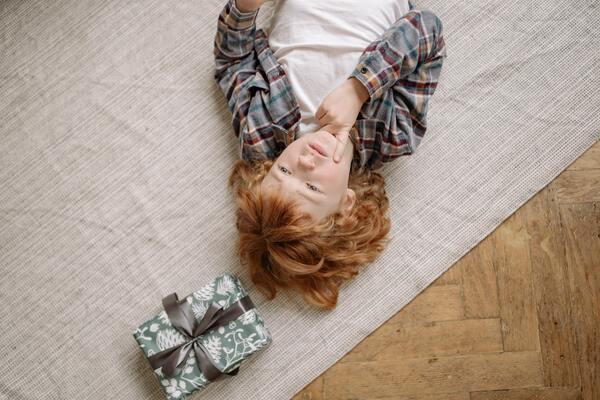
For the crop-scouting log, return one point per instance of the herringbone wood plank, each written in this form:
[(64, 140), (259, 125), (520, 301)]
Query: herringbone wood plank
[(517, 318)]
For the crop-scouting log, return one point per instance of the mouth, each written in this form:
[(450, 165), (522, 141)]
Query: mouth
[(318, 149)]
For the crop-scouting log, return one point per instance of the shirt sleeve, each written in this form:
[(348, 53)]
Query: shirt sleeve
[(413, 42), (400, 70), (236, 64)]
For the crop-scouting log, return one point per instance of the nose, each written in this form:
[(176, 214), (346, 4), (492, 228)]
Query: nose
[(307, 160)]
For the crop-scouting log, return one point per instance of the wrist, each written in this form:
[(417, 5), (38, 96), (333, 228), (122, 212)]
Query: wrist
[(245, 6), (361, 91)]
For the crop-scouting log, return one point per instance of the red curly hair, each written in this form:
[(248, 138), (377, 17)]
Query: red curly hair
[(286, 248)]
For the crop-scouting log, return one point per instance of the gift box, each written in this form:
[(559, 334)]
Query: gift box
[(202, 338)]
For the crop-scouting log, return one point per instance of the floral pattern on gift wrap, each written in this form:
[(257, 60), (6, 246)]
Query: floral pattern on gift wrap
[(228, 346), (164, 318), (168, 338), (248, 317), (199, 309), (226, 286), (213, 345), (188, 381), (205, 293)]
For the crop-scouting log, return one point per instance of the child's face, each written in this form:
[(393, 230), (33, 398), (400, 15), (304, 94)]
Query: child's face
[(319, 184)]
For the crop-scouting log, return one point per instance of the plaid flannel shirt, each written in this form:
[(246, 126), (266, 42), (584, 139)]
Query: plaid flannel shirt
[(400, 71)]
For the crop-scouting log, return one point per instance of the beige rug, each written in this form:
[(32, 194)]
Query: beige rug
[(114, 152)]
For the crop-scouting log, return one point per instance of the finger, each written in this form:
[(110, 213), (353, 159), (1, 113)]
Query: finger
[(339, 152), (341, 145)]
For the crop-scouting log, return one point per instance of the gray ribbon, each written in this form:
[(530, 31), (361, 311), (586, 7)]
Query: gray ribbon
[(182, 318)]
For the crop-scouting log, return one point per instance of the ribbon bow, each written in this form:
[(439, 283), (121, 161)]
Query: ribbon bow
[(182, 318)]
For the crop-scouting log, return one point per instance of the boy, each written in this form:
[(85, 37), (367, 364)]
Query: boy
[(311, 209)]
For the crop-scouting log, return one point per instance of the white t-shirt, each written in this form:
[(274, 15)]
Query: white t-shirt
[(319, 43)]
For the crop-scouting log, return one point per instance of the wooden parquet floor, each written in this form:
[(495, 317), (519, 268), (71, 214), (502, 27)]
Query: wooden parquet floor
[(516, 318)]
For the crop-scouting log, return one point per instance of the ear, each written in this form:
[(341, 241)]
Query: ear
[(348, 202)]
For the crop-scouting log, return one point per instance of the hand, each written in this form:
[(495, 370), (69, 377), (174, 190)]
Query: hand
[(338, 111), (248, 5)]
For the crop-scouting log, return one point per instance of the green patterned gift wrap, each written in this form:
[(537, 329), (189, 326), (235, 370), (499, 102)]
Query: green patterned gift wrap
[(223, 329)]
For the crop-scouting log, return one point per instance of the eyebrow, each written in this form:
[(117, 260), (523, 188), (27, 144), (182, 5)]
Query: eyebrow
[(302, 193)]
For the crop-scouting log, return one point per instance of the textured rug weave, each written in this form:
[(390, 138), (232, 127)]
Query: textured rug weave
[(115, 147)]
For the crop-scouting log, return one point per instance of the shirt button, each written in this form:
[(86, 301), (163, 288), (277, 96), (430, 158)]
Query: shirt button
[(364, 70)]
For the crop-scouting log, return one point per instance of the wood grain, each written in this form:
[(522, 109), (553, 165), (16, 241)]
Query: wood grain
[(552, 295), (582, 234), (421, 376), (516, 318)]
